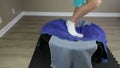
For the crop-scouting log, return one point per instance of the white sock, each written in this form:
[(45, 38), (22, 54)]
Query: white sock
[(71, 29)]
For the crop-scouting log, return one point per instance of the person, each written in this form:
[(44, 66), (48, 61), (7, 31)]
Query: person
[(82, 7)]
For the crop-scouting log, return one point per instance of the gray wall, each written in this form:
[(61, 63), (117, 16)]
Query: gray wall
[(6, 10), (107, 6)]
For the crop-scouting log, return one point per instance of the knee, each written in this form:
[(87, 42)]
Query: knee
[(96, 3)]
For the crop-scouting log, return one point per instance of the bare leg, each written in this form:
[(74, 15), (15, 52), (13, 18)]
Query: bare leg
[(80, 12), (83, 10)]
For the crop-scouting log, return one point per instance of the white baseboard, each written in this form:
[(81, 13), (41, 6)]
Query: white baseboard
[(10, 24), (26, 13), (47, 13)]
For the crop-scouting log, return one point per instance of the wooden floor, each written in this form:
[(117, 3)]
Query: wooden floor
[(17, 45)]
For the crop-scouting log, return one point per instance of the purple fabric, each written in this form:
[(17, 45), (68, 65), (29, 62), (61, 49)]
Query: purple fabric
[(58, 28)]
